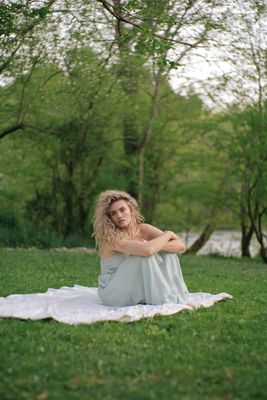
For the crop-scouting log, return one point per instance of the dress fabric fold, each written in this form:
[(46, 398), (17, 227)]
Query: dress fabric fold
[(127, 280)]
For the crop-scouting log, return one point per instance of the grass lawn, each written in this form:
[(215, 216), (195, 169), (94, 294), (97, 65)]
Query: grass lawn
[(215, 353)]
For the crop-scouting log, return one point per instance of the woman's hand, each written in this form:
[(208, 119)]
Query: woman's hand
[(172, 235)]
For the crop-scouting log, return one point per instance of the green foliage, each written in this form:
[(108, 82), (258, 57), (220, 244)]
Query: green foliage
[(70, 128), (6, 20), (243, 146), (205, 354), (21, 45), (86, 119), (85, 130), (17, 231), (15, 17)]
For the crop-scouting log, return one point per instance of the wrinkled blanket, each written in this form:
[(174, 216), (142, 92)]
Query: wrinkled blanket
[(81, 305)]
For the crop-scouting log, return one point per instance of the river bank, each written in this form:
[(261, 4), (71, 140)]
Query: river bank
[(221, 242)]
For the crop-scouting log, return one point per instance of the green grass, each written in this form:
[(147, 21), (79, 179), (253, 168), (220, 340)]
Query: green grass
[(215, 353)]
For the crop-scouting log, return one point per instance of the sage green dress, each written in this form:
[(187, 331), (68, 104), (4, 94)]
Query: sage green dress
[(127, 280)]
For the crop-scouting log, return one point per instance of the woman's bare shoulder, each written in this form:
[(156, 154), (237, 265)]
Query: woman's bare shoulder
[(145, 226), (149, 231)]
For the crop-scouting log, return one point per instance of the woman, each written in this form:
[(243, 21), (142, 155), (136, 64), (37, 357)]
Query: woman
[(138, 260)]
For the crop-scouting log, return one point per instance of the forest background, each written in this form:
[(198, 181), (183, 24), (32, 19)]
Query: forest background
[(96, 95)]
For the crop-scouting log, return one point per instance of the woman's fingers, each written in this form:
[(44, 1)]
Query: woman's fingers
[(173, 236)]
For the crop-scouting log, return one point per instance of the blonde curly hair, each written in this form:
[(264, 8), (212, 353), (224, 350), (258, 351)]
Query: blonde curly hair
[(104, 228)]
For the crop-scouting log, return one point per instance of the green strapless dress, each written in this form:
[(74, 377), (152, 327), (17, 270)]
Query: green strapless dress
[(127, 280)]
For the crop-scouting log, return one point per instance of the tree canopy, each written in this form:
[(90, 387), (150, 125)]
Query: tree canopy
[(88, 103)]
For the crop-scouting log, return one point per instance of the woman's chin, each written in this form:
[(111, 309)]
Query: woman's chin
[(124, 225)]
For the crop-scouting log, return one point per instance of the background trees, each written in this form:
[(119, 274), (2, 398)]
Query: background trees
[(86, 104)]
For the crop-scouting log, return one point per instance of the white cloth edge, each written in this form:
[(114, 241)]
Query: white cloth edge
[(81, 305)]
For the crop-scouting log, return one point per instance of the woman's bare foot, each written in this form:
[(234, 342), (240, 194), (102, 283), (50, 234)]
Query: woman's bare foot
[(191, 306)]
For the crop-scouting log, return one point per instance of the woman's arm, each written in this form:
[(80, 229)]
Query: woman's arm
[(143, 248), (175, 245)]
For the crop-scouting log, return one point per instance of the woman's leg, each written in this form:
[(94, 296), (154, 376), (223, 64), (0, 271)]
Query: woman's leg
[(148, 280)]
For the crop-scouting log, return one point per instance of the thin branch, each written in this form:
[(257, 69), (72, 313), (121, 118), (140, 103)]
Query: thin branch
[(12, 129), (109, 7), (23, 33)]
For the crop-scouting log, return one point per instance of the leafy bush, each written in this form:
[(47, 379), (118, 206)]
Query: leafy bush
[(15, 231)]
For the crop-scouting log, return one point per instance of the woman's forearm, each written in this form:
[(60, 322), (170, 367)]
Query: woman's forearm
[(174, 246), (155, 245), (143, 248)]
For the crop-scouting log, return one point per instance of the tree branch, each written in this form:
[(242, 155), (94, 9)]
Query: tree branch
[(24, 32), (12, 129), (110, 8)]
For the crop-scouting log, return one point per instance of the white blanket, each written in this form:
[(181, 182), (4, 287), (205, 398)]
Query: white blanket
[(81, 305)]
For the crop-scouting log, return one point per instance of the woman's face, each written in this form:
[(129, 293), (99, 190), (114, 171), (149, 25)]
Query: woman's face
[(120, 213)]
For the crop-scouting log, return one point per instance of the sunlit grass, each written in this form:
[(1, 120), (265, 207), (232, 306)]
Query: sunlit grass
[(215, 353)]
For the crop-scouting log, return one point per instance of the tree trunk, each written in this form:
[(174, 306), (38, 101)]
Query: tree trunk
[(141, 174), (246, 239), (83, 214), (202, 239), (69, 198), (263, 253), (256, 221), (131, 146), (146, 136), (151, 198), (68, 229), (129, 126)]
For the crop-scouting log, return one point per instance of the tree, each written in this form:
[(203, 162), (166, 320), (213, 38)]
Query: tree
[(151, 30), (70, 126), (248, 56), (21, 48), (247, 149), (192, 175)]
